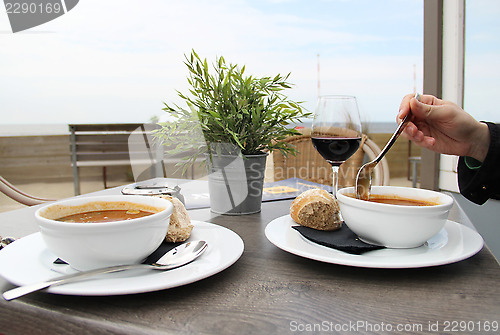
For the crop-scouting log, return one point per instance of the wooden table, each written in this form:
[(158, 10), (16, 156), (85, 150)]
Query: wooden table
[(269, 291)]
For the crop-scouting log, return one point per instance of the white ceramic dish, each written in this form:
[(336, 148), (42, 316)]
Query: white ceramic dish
[(93, 245), (28, 260), (453, 243), (395, 226)]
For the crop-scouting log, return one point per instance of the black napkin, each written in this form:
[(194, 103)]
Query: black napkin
[(154, 257), (342, 239), (162, 250)]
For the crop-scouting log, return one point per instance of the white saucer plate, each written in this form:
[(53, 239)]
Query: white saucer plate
[(28, 260), (453, 243)]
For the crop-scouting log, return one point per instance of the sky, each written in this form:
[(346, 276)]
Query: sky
[(119, 60)]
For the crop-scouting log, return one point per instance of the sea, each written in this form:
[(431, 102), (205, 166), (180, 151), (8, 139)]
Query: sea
[(33, 129), (63, 129)]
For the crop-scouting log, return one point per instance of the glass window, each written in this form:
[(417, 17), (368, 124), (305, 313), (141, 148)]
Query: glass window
[(482, 59), (117, 61)]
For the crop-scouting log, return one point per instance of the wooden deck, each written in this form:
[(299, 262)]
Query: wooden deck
[(41, 165), (33, 159)]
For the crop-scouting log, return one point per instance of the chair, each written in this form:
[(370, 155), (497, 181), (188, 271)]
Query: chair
[(14, 193), (309, 165), (99, 145)]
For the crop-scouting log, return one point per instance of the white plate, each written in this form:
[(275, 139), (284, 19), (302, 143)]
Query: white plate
[(453, 243), (28, 260)]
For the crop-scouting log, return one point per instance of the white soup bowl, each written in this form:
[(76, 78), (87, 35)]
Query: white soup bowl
[(395, 226), (92, 245)]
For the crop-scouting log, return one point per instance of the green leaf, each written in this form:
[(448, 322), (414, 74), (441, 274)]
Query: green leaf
[(227, 106)]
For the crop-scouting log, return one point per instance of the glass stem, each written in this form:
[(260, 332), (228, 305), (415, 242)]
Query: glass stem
[(335, 178)]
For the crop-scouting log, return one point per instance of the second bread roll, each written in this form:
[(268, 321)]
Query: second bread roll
[(317, 209)]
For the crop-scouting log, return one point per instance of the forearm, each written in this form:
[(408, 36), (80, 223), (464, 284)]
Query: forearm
[(479, 185)]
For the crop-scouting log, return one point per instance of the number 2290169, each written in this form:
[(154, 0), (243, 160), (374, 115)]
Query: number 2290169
[(467, 326), (33, 8)]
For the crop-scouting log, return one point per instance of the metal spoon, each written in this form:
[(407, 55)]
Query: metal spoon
[(364, 177), (178, 256), (5, 241)]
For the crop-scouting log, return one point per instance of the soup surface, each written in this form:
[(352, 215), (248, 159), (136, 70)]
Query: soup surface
[(395, 200), (105, 216)]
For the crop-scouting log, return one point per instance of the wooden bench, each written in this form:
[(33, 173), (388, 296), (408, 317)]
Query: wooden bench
[(120, 144)]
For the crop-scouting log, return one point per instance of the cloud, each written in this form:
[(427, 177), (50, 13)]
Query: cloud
[(117, 60)]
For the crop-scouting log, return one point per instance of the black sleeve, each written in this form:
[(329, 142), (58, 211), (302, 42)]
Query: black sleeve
[(484, 183)]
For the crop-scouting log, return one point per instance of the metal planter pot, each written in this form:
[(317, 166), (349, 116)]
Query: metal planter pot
[(235, 183)]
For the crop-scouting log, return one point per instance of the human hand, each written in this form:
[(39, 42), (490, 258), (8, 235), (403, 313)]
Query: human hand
[(444, 127)]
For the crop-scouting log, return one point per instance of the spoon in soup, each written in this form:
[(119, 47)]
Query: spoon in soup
[(364, 177), (176, 257)]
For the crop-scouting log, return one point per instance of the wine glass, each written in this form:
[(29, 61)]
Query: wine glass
[(336, 131)]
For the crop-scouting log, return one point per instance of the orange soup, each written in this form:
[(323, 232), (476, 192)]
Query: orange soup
[(395, 200), (104, 216)]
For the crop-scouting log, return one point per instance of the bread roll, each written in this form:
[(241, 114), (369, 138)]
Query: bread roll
[(180, 223), (317, 209)]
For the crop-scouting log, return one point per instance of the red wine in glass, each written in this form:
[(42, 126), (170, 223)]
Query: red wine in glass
[(336, 131), (336, 150)]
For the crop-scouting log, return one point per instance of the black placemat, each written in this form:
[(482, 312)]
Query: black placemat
[(162, 250), (342, 239), (154, 257)]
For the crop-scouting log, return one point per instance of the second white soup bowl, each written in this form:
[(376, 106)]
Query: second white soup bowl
[(395, 226)]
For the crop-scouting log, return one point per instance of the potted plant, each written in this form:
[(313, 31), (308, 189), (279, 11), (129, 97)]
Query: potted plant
[(234, 121)]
